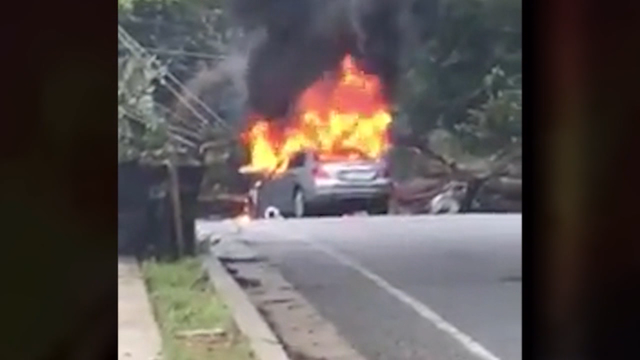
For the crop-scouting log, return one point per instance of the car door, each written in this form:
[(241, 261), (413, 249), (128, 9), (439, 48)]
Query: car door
[(291, 178), (278, 190)]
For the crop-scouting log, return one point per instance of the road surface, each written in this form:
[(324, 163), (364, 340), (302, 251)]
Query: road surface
[(414, 287)]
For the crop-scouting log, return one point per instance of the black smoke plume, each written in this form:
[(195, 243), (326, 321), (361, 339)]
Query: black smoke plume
[(304, 38)]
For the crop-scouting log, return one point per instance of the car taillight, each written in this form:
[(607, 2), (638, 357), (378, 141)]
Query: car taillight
[(320, 173)]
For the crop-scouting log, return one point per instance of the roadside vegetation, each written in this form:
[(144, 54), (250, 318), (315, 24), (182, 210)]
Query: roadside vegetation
[(194, 322), (459, 90), (456, 99)]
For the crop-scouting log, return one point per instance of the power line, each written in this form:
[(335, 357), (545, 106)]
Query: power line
[(180, 135), (175, 137), (171, 113), (138, 52), (141, 52), (185, 53)]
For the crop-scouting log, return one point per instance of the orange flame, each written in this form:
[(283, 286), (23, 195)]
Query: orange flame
[(343, 118)]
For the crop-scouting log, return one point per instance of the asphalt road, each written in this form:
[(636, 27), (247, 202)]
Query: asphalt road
[(420, 287)]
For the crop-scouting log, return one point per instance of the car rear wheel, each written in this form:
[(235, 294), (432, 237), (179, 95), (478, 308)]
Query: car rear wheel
[(379, 207), (298, 204)]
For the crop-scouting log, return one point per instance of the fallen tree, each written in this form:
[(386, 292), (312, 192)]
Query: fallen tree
[(492, 184)]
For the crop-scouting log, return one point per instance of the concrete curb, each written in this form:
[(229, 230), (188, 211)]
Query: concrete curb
[(263, 341)]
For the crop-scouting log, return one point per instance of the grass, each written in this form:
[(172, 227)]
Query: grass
[(183, 301)]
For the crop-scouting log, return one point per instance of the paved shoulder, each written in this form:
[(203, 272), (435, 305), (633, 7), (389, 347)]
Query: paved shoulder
[(407, 288)]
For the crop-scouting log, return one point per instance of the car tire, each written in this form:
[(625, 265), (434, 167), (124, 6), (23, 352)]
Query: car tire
[(299, 205), (380, 207)]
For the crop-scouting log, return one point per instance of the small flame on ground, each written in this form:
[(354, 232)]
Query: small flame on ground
[(338, 118), (242, 219)]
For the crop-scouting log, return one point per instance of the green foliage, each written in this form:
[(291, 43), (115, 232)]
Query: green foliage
[(465, 78), (140, 127), (182, 33), (497, 122)]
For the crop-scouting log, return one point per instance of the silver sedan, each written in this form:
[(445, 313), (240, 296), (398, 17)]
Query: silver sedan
[(313, 187)]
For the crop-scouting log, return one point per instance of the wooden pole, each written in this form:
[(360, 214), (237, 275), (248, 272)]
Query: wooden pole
[(174, 187)]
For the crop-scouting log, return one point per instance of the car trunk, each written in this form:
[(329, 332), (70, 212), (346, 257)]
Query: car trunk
[(352, 172)]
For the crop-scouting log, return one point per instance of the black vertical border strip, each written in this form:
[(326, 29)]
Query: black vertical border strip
[(530, 12), (58, 157), (612, 252)]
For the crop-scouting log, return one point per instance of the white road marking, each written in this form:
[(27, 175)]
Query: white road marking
[(292, 234), (469, 343)]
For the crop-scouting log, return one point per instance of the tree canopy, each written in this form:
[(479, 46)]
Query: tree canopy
[(461, 73), (466, 76)]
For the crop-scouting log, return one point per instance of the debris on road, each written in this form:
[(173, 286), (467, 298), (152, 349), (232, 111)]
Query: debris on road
[(216, 333), (232, 250), (272, 212), (490, 185)]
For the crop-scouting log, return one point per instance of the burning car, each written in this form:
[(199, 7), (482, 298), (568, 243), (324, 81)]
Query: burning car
[(331, 147)]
